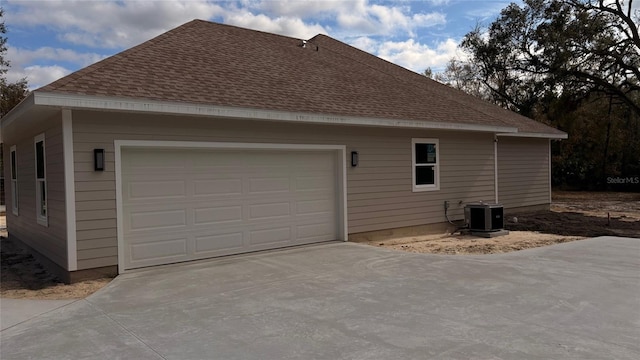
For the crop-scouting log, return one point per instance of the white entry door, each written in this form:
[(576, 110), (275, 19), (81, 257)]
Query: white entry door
[(189, 204)]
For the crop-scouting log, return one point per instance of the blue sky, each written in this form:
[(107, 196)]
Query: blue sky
[(48, 39)]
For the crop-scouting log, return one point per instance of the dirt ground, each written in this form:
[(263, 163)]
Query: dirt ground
[(472, 245), (573, 216), (22, 277), (586, 214)]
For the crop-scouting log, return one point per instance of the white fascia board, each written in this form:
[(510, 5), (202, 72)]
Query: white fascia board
[(161, 107), (536, 135)]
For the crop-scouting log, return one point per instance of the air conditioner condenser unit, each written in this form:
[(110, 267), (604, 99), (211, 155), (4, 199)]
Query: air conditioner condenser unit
[(482, 217)]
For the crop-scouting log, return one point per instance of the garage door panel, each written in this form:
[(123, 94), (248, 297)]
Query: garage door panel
[(206, 163), (217, 215), (277, 235), (165, 160), (313, 183), (269, 210), (224, 202), (268, 185), (316, 206), (156, 190), (313, 233), (214, 173), (167, 175), (174, 249), (208, 244), (225, 187), (155, 220)]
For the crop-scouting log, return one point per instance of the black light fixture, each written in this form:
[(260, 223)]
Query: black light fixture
[(354, 158), (98, 159)]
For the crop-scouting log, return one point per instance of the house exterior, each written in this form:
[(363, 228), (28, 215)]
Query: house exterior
[(212, 140)]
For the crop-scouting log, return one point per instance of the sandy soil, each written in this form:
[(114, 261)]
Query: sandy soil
[(22, 277), (473, 245), (573, 216)]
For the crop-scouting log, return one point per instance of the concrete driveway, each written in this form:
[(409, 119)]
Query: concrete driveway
[(578, 300)]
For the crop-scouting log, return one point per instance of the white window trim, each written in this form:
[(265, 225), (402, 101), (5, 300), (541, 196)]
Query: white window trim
[(13, 164), (430, 187), (42, 220)]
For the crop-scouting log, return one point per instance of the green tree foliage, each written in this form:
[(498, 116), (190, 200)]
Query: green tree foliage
[(10, 93), (574, 64)]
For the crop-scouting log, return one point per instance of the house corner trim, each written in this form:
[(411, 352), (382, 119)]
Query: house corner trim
[(70, 189)]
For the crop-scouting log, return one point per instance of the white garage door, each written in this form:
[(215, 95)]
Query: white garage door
[(188, 204)]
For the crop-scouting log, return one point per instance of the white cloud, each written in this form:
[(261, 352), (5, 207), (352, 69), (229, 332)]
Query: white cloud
[(439, 2), (109, 24), (387, 21), (418, 57), (365, 44), (24, 64), (487, 12), (37, 75), (113, 25), (303, 9), (430, 19), (19, 57), (122, 24), (359, 16), (293, 27)]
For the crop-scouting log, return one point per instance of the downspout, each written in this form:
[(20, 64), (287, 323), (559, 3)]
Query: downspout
[(550, 187), (495, 165)]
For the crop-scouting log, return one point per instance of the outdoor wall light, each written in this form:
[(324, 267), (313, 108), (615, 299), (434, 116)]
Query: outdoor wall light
[(354, 158), (98, 159)]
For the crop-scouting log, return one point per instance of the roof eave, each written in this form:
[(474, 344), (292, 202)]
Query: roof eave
[(18, 110), (88, 102)]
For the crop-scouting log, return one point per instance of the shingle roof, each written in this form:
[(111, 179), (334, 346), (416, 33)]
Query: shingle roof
[(212, 64)]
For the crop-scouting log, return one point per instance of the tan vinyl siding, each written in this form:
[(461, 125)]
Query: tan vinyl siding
[(379, 190), (51, 240), (523, 172)]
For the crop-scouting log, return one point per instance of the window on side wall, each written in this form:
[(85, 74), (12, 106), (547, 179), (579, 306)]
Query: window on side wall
[(426, 164), (41, 181), (13, 163)]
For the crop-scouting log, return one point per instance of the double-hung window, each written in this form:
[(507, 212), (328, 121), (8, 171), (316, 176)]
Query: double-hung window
[(14, 179), (426, 165), (41, 181)]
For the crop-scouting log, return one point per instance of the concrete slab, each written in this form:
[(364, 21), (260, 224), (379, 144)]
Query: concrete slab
[(348, 301), (490, 234), (15, 311)]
